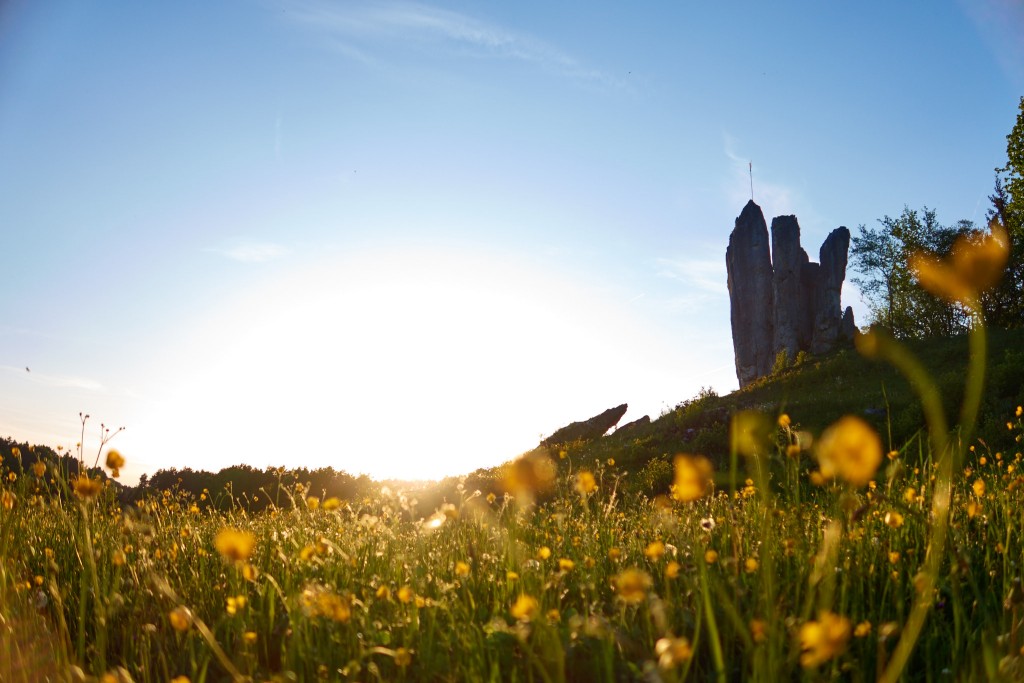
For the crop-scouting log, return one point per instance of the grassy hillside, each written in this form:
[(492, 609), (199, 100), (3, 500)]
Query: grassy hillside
[(555, 568), (815, 393)]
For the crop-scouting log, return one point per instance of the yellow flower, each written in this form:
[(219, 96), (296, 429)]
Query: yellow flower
[(862, 629), (693, 477), (234, 544), (332, 503), (632, 585), (566, 565), (525, 608), (894, 557), (118, 558), (823, 639), (491, 498), (655, 550), (383, 593), (531, 474), (114, 462), (751, 565), (249, 637), (614, 554), (405, 595), (784, 421), (85, 487), (711, 556), (181, 679), (544, 553), (851, 448), (39, 468), (585, 483), (403, 657), (7, 500), (973, 508), (672, 570), (611, 462), (894, 519), (312, 503), (975, 264), (672, 652), (180, 618), (511, 576), (758, 630), (461, 569), (979, 487), (318, 601)]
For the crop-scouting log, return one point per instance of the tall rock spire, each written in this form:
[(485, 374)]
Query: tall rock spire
[(792, 306), (749, 268), (828, 311), (788, 260)]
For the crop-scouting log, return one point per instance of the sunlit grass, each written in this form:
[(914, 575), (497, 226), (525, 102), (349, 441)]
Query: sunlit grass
[(585, 586), (804, 556)]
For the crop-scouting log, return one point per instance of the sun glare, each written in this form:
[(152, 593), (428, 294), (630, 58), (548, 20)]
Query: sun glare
[(413, 366)]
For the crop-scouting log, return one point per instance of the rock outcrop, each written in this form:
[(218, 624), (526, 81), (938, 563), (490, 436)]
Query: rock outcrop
[(782, 301), (749, 267), (588, 429), (788, 261), (635, 424)]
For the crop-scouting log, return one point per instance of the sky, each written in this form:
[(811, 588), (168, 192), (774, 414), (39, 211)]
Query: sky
[(410, 239)]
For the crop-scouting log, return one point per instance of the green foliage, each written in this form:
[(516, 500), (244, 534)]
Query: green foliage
[(781, 362), (1014, 169), (1004, 307), (896, 302), (655, 475)]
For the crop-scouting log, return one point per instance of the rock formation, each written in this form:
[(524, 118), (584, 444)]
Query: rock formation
[(782, 301), (788, 261), (749, 267), (635, 424), (588, 429), (828, 312)]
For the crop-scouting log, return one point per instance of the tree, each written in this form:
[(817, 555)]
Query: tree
[(881, 255), (1004, 307), (1014, 169)]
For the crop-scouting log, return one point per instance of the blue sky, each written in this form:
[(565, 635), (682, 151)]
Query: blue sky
[(411, 238)]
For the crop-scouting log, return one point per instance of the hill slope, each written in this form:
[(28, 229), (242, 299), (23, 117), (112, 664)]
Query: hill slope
[(814, 393)]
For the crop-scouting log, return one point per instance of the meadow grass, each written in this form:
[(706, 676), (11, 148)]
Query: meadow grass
[(779, 579), (811, 554)]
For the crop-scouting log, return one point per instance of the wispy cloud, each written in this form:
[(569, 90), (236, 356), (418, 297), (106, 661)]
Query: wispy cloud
[(356, 27), (54, 381), (775, 199), (707, 275), (252, 252), (999, 24)]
